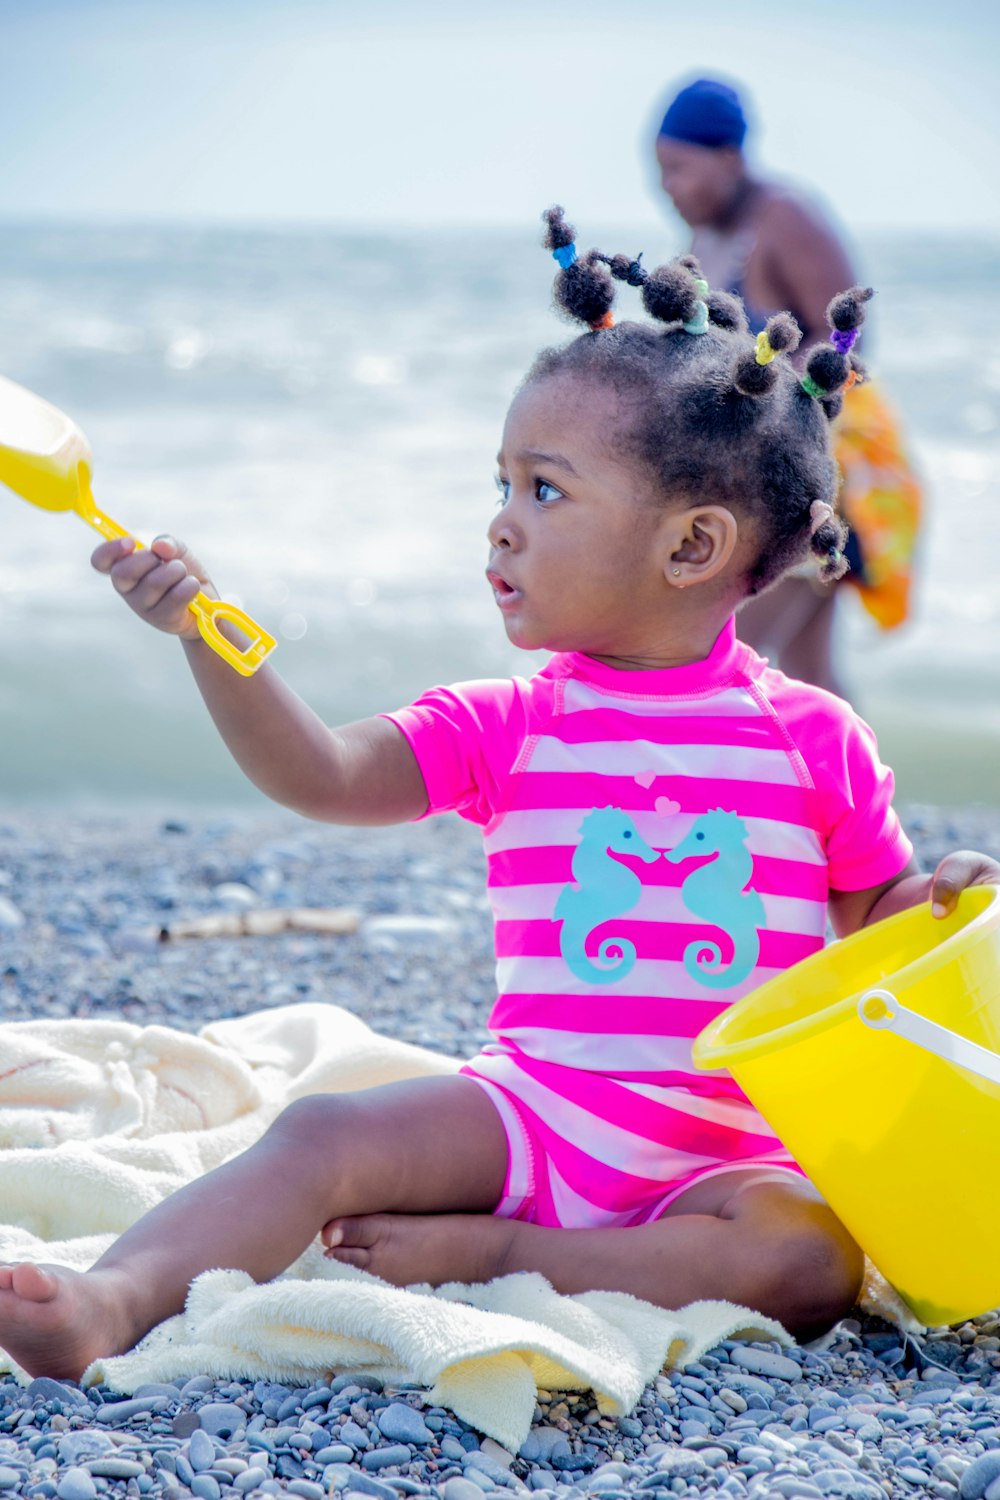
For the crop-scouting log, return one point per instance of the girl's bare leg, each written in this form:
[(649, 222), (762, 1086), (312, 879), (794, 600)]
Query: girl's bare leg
[(427, 1145), (767, 1241)]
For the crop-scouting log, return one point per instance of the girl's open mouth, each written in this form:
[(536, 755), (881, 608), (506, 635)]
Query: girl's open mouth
[(503, 592)]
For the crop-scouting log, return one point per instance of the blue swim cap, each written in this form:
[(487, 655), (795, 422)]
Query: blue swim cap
[(706, 113)]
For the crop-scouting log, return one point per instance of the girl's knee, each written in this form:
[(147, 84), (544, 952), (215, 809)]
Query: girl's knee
[(821, 1269), (310, 1123), (814, 1268)]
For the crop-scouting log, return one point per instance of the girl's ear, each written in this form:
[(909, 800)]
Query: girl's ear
[(700, 543)]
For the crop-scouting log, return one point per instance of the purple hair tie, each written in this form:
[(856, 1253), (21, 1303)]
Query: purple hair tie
[(844, 339)]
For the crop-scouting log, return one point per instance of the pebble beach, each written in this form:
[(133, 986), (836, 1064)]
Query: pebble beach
[(91, 908)]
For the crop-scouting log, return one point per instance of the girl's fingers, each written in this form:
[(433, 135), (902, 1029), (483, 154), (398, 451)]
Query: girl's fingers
[(956, 873), (104, 557)]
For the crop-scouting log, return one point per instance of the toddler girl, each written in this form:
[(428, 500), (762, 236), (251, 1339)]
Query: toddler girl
[(668, 823)]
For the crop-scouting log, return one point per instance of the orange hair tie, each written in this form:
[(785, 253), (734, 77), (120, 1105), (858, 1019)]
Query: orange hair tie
[(852, 379), (606, 322)]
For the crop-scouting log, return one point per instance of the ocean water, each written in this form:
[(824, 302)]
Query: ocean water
[(317, 414)]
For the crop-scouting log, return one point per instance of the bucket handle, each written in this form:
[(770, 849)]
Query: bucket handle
[(880, 1010)]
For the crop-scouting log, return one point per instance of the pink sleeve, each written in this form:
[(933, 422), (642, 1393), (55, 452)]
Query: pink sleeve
[(863, 837), (465, 738), (865, 842)]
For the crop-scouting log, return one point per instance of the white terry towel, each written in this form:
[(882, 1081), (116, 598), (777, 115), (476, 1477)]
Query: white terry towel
[(127, 1114)]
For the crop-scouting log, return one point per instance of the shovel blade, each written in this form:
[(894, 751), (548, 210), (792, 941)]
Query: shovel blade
[(42, 451)]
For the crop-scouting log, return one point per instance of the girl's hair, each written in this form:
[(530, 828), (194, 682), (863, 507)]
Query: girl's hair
[(716, 416)]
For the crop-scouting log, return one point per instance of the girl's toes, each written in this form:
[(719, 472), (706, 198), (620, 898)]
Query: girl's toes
[(345, 1257), (339, 1232), (351, 1234)]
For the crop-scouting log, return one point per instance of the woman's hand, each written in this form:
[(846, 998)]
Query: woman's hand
[(955, 873), (158, 582)]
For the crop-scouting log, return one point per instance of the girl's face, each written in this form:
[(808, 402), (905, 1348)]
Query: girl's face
[(577, 543)]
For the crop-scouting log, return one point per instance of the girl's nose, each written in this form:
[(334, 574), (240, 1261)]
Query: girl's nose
[(502, 533)]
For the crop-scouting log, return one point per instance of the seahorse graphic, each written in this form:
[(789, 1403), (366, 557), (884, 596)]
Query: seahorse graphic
[(604, 888), (717, 893)]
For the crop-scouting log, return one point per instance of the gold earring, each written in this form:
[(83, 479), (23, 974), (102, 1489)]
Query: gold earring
[(677, 572)]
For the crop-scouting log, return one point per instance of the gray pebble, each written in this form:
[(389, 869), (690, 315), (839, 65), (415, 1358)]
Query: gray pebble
[(115, 1468), (206, 1487), (353, 1434), (8, 1477), (222, 1419), (334, 1453), (979, 1476), (250, 1479), (384, 1458), (44, 1389), (77, 1447), (680, 1463), (367, 1484), (113, 1413), (483, 1463), (764, 1362), (306, 1488), (76, 1484), (461, 1489), (482, 1482), (403, 1424), (200, 1451), (847, 1485)]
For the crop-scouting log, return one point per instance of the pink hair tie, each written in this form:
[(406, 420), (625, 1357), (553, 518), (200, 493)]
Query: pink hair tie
[(819, 513)]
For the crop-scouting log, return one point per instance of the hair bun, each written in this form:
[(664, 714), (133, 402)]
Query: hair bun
[(755, 374), (847, 310), (783, 333), (559, 234), (670, 294), (726, 311), (585, 289)]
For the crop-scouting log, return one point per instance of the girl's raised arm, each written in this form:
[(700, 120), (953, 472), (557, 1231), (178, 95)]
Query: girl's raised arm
[(363, 773)]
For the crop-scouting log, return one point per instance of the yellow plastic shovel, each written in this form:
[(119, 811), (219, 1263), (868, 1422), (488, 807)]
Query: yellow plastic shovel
[(45, 458)]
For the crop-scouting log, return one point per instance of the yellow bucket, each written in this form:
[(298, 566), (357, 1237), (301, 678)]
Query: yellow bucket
[(876, 1063)]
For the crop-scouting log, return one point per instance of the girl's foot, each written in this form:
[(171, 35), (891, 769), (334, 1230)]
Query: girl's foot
[(54, 1321), (408, 1248)]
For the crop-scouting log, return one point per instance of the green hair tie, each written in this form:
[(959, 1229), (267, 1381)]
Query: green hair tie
[(699, 323), (812, 389)]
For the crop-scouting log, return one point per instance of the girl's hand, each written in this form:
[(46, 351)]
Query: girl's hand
[(158, 582), (956, 873)]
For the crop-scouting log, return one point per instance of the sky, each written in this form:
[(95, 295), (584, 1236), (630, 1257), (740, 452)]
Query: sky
[(393, 112)]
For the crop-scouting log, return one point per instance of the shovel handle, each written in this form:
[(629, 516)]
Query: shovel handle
[(207, 612), (246, 659)]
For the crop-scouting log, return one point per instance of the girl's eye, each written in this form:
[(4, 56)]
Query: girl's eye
[(503, 486), (545, 492)]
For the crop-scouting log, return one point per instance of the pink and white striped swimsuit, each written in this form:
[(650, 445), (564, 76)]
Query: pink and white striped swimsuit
[(658, 844)]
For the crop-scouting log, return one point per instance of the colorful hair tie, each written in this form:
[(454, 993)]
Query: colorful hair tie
[(843, 340), (605, 321), (820, 512), (765, 353), (812, 389), (699, 323), (565, 255)]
